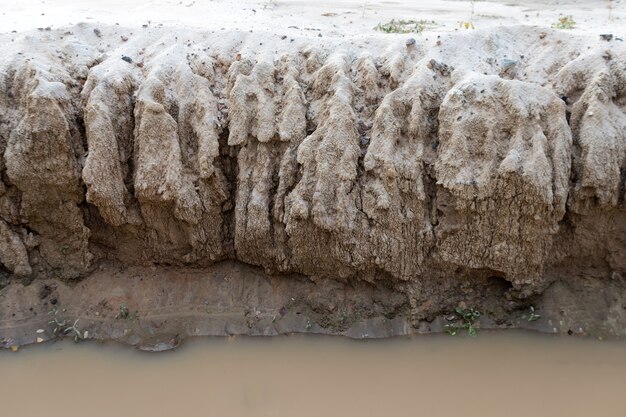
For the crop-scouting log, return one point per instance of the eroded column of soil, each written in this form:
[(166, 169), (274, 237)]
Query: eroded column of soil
[(486, 168)]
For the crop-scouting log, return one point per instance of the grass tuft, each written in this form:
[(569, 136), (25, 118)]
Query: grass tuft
[(404, 26), (565, 22)]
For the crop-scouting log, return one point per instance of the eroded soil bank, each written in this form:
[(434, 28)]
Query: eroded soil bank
[(235, 183)]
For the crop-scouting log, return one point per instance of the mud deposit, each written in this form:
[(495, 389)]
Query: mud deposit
[(513, 374)]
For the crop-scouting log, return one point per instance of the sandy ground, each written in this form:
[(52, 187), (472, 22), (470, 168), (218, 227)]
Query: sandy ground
[(306, 17)]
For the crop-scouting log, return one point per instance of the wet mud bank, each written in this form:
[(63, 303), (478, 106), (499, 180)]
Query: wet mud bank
[(194, 183), (158, 308)]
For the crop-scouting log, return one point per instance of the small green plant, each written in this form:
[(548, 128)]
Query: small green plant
[(125, 314), (404, 26), (466, 25), (463, 319), (469, 24), (63, 328), (565, 22), (532, 315)]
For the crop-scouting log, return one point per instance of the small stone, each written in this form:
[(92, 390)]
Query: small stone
[(606, 36), (127, 59), (507, 63), (39, 340), (124, 38), (97, 32), (440, 67), (410, 42)]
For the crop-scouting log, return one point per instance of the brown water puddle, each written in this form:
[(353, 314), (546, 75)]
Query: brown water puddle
[(503, 374)]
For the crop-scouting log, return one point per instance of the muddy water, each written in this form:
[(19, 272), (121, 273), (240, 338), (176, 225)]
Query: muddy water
[(511, 374)]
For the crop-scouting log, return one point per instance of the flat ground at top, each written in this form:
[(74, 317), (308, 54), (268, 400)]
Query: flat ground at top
[(313, 17)]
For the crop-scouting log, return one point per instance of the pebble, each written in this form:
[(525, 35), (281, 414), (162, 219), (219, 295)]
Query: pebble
[(410, 42), (507, 63)]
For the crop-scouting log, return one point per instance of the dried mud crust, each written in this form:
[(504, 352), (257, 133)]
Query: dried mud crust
[(417, 174)]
